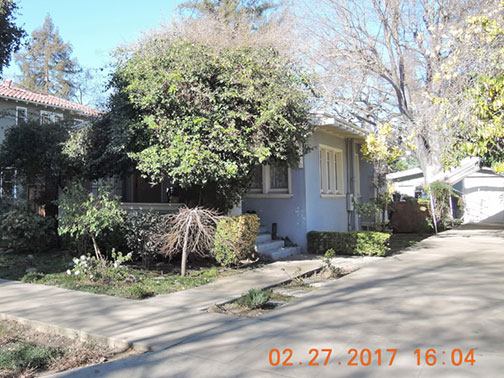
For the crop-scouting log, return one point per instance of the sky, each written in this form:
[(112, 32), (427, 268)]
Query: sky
[(93, 27)]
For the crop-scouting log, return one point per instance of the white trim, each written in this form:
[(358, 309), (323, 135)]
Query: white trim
[(267, 191), (17, 114), (269, 195), (332, 196), (331, 170), (53, 117), (357, 183)]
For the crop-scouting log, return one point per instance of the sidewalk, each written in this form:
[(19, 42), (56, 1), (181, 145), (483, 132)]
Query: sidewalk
[(152, 324)]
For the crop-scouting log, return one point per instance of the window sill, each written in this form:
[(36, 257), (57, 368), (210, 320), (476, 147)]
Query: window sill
[(268, 195), (332, 196)]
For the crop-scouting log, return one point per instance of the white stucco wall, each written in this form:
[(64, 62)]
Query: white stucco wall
[(484, 198)]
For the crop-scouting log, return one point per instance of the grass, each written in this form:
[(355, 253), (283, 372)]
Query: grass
[(399, 242), (140, 283), (25, 352), (19, 356)]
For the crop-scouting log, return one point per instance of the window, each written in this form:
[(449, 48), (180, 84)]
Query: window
[(7, 183), (48, 117), (331, 171), (357, 174), (21, 115), (271, 180)]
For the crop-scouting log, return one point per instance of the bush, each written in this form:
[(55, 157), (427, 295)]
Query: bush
[(235, 239), (255, 298), (366, 243), (140, 230), (26, 232), (99, 270)]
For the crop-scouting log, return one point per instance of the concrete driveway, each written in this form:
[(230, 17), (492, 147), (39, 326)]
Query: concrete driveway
[(445, 294)]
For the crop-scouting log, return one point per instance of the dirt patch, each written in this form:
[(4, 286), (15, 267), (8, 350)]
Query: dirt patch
[(25, 352), (283, 294)]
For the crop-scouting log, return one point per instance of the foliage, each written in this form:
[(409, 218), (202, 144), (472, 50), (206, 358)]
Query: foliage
[(209, 115), (472, 103), (22, 355), (442, 194), (232, 11), (367, 243), (140, 229), (190, 231), (46, 65), (25, 231), (254, 299), (10, 39), (379, 150), (34, 150), (328, 265), (97, 270), (86, 214), (235, 239)]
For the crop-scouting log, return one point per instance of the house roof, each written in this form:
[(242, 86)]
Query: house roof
[(338, 126), (10, 92), (467, 167)]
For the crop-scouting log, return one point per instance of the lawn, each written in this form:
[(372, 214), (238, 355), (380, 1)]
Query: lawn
[(139, 283)]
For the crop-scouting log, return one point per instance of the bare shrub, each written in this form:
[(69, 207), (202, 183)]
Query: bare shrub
[(191, 231)]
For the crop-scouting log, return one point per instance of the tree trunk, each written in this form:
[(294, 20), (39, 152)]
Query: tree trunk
[(98, 254), (183, 263)]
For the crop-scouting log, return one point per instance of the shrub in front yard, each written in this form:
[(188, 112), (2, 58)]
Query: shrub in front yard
[(235, 238), (24, 231), (367, 243), (98, 270), (140, 229)]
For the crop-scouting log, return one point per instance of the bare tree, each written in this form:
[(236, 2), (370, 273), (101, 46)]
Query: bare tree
[(191, 230), (377, 61)]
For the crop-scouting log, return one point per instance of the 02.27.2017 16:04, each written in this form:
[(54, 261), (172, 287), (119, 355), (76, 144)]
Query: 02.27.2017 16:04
[(365, 357)]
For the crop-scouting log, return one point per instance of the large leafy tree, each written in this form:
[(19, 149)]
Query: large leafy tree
[(47, 65), (10, 36), (208, 115)]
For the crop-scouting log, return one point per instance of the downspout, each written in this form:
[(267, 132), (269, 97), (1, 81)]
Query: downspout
[(350, 184)]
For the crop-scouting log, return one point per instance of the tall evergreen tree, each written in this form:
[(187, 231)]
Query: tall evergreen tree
[(46, 65), (10, 34)]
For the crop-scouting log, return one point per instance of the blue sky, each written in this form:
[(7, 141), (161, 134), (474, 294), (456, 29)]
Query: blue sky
[(94, 27)]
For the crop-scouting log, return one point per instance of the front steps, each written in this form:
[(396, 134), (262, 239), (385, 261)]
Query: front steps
[(273, 249)]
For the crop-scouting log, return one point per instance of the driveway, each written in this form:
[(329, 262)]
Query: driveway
[(444, 294)]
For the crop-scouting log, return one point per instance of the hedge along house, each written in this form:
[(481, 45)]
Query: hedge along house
[(317, 195), (19, 105)]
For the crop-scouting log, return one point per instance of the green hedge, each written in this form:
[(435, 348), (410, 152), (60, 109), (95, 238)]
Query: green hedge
[(235, 238), (366, 243)]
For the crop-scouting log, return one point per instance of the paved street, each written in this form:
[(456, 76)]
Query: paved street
[(446, 293)]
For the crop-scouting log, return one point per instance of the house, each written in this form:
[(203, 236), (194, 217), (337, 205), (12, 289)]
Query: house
[(18, 105), (481, 189), (317, 195)]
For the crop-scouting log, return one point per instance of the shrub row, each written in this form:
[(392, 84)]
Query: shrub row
[(366, 243)]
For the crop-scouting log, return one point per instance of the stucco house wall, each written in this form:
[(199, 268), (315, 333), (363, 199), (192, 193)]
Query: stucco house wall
[(483, 194), (306, 208)]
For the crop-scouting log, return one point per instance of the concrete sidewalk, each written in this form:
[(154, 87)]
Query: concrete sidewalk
[(152, 324), (446, 293)]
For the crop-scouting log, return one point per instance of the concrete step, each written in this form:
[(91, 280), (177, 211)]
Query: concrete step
[(263, 237), (269, 246), (282, 253)]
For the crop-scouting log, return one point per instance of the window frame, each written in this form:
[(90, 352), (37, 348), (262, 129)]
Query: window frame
[(52, 116), (25, 118), (331, 172), (267, 191)]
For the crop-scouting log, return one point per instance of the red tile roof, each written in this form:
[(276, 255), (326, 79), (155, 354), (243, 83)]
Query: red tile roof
[(10, 92)]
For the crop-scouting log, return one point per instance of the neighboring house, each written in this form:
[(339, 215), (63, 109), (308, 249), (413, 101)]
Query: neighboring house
[(18, 105), (481, 189)]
